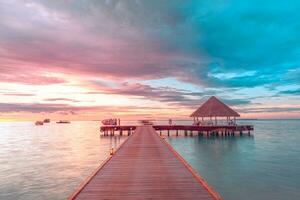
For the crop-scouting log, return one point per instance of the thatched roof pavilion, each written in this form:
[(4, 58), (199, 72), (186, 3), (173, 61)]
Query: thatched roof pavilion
[(213, 107)]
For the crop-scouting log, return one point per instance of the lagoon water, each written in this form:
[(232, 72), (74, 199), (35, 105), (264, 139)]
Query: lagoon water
[(50, 161), (265, 166)]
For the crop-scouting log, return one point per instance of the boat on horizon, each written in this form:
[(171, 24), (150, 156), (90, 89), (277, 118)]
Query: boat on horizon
[(112, 122), (46, 120), (39, 123), (146, 122), (63, 122)]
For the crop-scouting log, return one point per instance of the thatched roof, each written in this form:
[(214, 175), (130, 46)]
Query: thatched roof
[(213, 107)]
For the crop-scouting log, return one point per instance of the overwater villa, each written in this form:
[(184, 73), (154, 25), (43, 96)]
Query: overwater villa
[(209, 112), (212, 118)]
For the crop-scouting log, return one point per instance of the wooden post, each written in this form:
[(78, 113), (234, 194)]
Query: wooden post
[(185, 132), (176, 132), (168, 132)]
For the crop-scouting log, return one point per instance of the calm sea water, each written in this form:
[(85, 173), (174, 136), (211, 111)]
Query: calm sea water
[(49, 162), (265, 166)]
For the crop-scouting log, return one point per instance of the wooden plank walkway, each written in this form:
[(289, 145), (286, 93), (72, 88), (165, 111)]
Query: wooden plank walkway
[(145, 167)]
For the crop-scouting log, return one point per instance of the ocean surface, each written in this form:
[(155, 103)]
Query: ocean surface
[(262, 167), (50, 161)]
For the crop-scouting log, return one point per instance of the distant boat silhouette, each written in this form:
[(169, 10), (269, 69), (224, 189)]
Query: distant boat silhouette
[(46, 120), (39, 123), (146, 122), (110, 122), (63, 122)]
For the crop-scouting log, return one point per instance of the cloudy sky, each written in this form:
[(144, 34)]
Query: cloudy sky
[(89, 59)]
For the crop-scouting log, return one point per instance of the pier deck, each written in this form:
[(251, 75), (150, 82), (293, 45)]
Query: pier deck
[(145, 167), (209, 129)]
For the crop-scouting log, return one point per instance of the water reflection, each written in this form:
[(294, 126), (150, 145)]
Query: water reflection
[(50, 161)]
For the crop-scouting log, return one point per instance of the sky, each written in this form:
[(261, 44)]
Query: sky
[(132, 59)]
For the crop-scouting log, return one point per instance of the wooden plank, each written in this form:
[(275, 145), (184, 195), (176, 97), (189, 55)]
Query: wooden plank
[(145, 167)]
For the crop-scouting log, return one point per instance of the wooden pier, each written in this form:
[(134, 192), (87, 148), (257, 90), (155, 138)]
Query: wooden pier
[(218, 130), (145, 167), (110, 130)]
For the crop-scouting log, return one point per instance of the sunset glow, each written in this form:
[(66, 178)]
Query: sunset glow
[(88, 60)]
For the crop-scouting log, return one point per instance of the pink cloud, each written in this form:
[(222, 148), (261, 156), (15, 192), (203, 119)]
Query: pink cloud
[(29, 78)]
